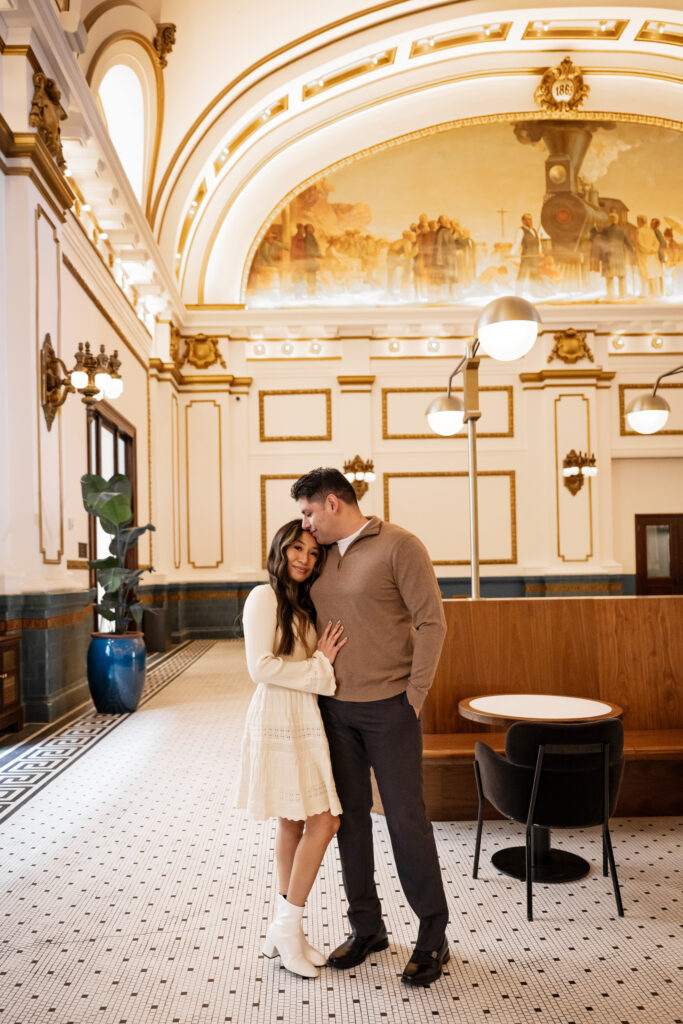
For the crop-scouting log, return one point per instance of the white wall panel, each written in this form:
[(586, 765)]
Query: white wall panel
[(48, 312), (435, 507), (574, 511), (204, 473), (296, 415), (404, 412), (277, 506)]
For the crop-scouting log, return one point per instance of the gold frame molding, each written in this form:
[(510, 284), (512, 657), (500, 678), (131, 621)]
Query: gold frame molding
[(265, 477), (558, 398), (430, 435), (38, 212), (175, 481), (204, 401), (510, 473), (623, 388), (327, 392)]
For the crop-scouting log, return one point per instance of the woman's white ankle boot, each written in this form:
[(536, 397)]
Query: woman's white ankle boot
[(285, 938), (316, 958)]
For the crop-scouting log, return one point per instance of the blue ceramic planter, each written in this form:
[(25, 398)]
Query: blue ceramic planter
[(116, 671)]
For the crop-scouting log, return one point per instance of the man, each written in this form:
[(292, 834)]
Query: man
[(378, 580), (527, 246), (614, 253)]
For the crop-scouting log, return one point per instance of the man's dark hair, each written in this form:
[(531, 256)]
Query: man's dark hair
[(316, 485)]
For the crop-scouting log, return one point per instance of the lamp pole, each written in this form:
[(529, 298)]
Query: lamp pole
[(506, 330), (472, 414)]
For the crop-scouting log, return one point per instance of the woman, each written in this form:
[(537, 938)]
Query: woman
[(286, 771)]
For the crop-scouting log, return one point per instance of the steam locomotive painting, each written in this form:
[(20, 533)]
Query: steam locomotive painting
[(566, 209)]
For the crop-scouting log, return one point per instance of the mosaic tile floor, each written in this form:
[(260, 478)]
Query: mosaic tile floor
[(132, 892)]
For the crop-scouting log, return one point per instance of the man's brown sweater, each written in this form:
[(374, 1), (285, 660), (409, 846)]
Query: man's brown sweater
[(386, 595)]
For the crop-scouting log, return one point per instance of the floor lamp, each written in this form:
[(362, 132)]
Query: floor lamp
[(506, 329)]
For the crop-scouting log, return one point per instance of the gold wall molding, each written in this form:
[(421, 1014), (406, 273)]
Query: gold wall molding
[(108, 5), (327, 436), (203, 401), (39, 214), (566, 378), (146, 45), (175, 480), (510, 473), (101, 309), (558, 479), (429, 434), (356, 380), (480, 119), (647, 388), (265, 477)]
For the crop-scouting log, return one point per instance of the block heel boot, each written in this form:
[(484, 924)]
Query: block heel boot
[(311, 953), (285, 938)]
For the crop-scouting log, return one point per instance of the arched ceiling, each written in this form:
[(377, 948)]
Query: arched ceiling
[(290, 90)]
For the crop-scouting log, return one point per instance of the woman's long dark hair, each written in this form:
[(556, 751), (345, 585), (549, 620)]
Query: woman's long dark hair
[(294, 605)]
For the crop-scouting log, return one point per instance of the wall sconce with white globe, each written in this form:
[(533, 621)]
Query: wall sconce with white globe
[(94, 377), (359, 472), (648, 413)]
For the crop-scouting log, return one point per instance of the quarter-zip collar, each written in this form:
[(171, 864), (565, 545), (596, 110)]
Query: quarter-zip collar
[(372, 528)]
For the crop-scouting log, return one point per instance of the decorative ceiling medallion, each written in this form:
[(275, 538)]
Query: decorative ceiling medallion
[(570, 346), (562, 89)]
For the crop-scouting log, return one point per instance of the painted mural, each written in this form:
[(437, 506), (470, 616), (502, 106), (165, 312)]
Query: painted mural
[(557, 210)]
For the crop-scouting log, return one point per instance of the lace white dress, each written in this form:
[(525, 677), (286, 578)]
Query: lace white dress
[(285, 767)]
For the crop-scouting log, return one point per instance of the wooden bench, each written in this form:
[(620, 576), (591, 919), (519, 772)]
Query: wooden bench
[(652, 785)]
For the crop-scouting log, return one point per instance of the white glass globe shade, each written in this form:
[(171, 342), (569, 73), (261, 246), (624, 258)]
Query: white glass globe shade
[(370, 477), (647, 414), (102, 382), (350, 477), (507, 328), (115, 387), (79, 379), (446, 415), (509, 340)]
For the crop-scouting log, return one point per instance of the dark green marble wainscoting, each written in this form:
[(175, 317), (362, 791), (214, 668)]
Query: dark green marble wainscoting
[(193, 611), (55, 632)]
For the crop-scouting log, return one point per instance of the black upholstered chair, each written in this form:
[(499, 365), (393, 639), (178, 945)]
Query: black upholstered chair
[(554, 775)]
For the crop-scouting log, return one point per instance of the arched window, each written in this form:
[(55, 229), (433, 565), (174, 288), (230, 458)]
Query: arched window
[(121, 98)]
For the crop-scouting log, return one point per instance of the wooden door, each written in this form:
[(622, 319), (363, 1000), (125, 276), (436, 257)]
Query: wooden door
[(659, 554)]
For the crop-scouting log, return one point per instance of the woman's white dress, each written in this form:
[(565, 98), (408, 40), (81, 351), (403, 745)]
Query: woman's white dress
[(285, 768)]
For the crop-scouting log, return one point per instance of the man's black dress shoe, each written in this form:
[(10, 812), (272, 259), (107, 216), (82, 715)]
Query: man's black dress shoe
[(423, 968), (355, 949)]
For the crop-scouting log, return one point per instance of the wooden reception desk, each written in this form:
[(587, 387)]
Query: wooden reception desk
[(628, 650)]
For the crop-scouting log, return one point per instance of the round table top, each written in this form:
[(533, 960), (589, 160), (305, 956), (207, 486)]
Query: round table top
[(502, 708)]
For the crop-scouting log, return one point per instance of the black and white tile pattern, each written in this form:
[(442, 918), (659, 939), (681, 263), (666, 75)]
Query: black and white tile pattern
[(132, 892)]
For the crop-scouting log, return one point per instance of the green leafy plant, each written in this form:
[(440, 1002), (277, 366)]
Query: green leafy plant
[(110, 502)]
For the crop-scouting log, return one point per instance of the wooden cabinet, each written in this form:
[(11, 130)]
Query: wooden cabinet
[(11, 710)]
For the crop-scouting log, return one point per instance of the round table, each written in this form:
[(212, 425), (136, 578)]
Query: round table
[(506, 708)]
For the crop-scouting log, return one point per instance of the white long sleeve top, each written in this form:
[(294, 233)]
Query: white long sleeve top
[(296, 671)]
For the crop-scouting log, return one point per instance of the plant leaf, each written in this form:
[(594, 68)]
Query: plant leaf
[(106, 613)]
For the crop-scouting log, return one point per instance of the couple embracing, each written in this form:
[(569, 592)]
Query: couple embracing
[(343, 643)]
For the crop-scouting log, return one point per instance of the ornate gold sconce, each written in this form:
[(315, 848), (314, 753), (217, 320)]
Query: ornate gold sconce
[(359, 472), (576, 466), (93, 376)]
